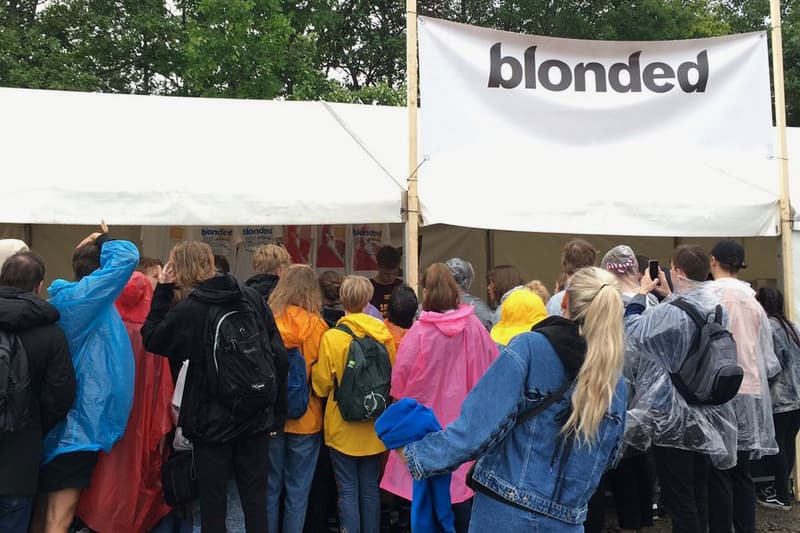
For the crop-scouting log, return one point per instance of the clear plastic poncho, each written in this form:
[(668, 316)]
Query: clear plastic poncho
[(621, 261), (785, 388), (658, 415), (755, 353)]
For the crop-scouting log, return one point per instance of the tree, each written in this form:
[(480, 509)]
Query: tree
[(243, 49), (94, 45), (341, 50), (753, 15), (791, 60), (363, 41)]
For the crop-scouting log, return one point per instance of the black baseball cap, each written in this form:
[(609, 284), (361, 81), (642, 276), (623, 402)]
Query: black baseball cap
[(729, 253)]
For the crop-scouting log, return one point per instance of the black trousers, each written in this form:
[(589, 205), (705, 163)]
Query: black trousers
[(683, 476), (244, 458), (786, 428), (596, 509), (322, 495), (632, 485), (732, 498)]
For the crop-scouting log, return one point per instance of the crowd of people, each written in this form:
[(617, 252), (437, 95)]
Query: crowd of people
[(156, 397)]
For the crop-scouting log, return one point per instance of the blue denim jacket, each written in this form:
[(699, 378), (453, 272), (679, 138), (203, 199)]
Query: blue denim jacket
[(530, 465)]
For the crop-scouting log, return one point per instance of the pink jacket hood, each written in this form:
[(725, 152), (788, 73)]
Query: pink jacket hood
[(451, 322)]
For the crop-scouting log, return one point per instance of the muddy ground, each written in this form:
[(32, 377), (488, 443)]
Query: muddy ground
[(767, 521)]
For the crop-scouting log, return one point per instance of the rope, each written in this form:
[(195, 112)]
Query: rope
[(352, 134)]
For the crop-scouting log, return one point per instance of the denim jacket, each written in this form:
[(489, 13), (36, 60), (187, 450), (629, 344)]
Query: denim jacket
[(530, 465)]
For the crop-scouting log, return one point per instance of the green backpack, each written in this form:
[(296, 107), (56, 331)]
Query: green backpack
[(363, 393)]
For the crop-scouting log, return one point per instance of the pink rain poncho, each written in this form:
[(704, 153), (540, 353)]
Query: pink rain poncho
[(441, 358), (756, 355)]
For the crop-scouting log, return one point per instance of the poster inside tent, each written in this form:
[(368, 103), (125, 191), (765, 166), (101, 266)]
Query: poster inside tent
[(297, 240), (331, 246), (157, 241), (367, 240), (252, 238), (222, 239)]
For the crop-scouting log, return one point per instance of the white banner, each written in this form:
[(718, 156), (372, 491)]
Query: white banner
[(557, 135)]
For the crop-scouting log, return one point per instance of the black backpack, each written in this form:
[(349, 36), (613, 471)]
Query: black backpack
[(15, 384), (179, 478), (709, 375), (363, 393), (241, 365)]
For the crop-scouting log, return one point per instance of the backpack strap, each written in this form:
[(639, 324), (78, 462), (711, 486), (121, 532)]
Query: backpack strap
[(346, 329), (690, 310), (718, 314), (544, 404)]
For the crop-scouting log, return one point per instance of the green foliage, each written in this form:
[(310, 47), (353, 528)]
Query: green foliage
[(791, 60), (364, 41), (339, 50), (235, 48)]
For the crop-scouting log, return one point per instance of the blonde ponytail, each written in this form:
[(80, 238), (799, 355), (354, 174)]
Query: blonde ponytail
[(594, 301)]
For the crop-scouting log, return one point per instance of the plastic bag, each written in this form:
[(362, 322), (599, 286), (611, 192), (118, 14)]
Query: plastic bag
[(180, 443)]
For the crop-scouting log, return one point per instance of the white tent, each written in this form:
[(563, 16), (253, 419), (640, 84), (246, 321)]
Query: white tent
[(74, 158)]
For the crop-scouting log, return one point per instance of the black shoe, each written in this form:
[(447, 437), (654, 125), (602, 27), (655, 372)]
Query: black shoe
[(773, 502), (767, 491)]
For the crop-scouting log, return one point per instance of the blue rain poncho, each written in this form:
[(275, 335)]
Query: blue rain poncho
[(101, 354), (658, 415)]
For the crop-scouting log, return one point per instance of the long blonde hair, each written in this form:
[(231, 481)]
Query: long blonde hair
[(297, 286), (594, 301), (193, 263)]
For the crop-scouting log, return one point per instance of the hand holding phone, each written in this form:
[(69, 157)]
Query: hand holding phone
[(653, 267)]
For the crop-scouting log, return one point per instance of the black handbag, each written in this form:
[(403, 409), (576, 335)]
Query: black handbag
[(524, 416), (179, 478)]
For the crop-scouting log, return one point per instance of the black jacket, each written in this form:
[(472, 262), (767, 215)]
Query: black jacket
[(179, 333), (52, 381), (264, 284)]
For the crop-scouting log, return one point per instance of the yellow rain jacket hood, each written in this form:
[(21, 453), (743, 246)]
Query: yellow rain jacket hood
[(521, 311)]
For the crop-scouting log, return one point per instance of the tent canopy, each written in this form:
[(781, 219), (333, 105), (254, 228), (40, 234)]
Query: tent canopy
[(559, 193), (74, 158)]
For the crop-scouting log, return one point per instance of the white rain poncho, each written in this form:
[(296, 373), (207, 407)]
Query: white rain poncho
[(658, 415), (755, 353)]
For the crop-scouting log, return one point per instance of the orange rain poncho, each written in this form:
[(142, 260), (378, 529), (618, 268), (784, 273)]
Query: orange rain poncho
[(125, 494)]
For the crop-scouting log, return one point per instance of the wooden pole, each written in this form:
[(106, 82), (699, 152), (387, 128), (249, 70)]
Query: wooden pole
[(411, 250), (783, 173)]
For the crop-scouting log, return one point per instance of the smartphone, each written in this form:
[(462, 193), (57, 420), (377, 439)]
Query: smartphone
[(653, 266)]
